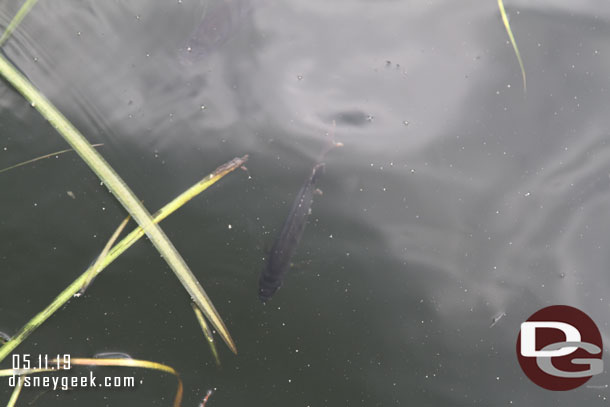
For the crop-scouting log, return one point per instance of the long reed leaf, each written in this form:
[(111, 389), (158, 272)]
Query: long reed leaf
[(121, 191), (115, 252)]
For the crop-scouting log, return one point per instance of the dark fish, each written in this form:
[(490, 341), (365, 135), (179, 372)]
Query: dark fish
[(286, 244), (221, 19)]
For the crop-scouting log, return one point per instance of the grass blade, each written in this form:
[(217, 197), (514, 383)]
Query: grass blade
[(23, 11), (122, 192), (207, 332), (513, 42), (93, 271), (42, 157), (15, 394), (115, 252)]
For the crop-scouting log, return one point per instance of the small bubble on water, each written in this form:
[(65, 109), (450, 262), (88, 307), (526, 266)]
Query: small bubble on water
[(300, 77)]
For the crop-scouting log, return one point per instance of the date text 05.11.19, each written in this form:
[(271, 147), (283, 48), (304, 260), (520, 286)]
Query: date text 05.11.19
[(42, 361)]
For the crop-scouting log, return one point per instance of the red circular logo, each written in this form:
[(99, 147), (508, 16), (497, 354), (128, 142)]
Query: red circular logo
[(560, 348)]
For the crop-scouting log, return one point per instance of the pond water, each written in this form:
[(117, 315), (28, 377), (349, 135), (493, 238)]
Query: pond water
[(458, 206)]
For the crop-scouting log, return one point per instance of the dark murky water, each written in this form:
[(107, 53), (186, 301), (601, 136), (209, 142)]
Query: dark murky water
[(456, 197)]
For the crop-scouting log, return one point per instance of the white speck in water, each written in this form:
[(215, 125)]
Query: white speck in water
[(300, 77), (527, 194), (33, 104), (35, 204), (370, 118), (78, 33), (330, 236), (202, 107), (412, 171), (230, 226), (406, 122)]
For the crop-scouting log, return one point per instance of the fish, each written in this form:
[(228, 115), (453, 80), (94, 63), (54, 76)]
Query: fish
[(220, 21), (286, 244)]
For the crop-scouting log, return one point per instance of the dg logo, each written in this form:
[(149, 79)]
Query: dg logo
[(560, 348)]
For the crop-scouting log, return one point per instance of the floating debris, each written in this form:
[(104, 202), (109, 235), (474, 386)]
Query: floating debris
[(497, 318)]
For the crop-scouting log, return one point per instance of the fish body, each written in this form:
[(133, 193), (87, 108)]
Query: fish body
[(288, 240), (286, 244)]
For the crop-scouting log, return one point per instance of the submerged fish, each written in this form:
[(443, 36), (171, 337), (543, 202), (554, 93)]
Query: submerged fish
[(221, 19), (286, 244)]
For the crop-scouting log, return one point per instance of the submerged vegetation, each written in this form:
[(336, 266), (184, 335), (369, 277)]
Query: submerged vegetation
[(147, 225), (279, 259), (509, 31)]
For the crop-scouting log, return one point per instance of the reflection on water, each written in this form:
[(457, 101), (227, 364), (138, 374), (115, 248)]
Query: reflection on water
[(433, 242)]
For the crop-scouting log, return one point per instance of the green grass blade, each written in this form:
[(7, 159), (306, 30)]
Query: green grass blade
[(513, 42), (96, 265), (42, 157), (115, 252), (121, 191), (23, 11), (15, 394), (207, 332)]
